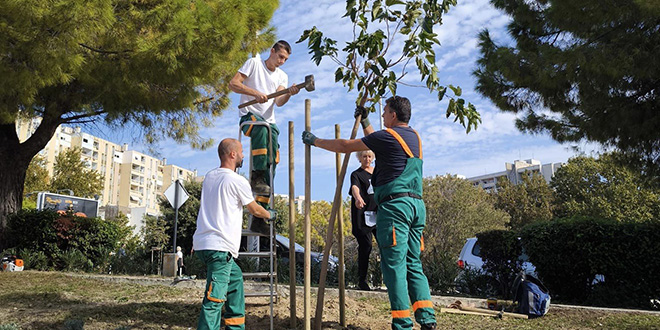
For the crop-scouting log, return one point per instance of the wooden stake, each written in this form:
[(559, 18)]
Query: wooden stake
[(308, 219), (292, 232), (340, 242), (331, 226)]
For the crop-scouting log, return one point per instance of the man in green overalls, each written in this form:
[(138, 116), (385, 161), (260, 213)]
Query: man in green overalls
[(401, 215)]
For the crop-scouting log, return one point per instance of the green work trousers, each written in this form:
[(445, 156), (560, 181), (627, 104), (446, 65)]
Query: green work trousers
[(224, 287), (261, 156), (399, 230)]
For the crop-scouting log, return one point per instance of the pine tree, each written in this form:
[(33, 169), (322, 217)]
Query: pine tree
[(580, 70), (162, 65)]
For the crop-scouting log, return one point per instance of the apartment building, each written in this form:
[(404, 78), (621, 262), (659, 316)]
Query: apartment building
[(514, 172), (132, 180), (172, 173)]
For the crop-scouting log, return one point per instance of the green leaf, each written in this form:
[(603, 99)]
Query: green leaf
[(393, 2), (339, 74), (457, 90), (382, 62)]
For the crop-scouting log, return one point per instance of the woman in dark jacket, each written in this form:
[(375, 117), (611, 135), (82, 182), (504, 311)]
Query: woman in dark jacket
[(363, 213)]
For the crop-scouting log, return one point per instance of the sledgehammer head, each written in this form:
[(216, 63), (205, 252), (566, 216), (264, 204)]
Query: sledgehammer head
[(309, 83)]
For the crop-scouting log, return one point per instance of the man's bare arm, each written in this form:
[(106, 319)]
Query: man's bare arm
[(237, 86), (283, 99), (258, 210), (341, 145), (368, 130)]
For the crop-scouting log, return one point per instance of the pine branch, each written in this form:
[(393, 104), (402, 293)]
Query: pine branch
[(98, 50)]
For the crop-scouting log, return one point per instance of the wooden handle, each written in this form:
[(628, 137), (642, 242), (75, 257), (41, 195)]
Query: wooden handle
[(272, 95)]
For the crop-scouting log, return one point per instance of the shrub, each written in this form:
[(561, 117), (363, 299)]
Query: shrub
[(10, 326), (34, 259), (500, 250), (474, 282), (440, 269), (569, 253), (74, 260), (54, 236)]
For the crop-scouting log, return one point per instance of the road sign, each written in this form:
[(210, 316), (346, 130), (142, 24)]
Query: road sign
[(171, 194)]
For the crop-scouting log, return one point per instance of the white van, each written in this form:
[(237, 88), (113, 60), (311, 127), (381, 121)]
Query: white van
[(470, 258)]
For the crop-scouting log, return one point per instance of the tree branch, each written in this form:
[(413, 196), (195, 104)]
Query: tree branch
[(98, 50), (87, 115)]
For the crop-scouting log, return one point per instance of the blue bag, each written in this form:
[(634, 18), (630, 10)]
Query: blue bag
[(531, 295)]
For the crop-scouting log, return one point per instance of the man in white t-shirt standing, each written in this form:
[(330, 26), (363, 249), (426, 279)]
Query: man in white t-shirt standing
[(218, 236), (255, 80)]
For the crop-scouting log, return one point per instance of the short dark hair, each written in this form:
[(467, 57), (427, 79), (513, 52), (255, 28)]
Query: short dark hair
[(282, 44), (401, 106)]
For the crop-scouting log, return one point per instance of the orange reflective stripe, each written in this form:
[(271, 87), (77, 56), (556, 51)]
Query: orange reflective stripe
[(247, 133), (393, 236), (422, 304), (422, 247), (401, 142), (400, 314), (262, 199), (208, 295), (257, 152), (277, 157), (420, 144), (235, 321)]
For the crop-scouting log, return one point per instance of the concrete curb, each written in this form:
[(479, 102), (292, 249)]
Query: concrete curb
[(283, 291)]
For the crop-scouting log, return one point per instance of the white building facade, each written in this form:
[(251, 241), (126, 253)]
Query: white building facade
[(514, 172)]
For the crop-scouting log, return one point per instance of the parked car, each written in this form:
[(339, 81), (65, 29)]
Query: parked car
[(282, 251), (470, 258)]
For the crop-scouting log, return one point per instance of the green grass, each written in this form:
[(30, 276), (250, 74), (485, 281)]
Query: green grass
[(52, 300)]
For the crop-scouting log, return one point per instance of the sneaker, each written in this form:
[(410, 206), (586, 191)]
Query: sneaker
[(258, 183), (364, 286), (428, 326)]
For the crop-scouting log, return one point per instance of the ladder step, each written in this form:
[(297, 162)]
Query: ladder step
[(258, 275), (255, 254), (247, 232), (260, 294)]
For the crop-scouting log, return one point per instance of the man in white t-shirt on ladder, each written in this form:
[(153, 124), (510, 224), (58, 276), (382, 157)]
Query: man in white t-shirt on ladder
[(218, 236), (255, 80)]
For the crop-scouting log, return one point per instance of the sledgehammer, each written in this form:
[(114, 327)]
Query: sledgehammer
[(308, 85)]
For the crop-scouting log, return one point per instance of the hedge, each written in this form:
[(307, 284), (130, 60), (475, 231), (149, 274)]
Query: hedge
[(569, 253), (67, 242), (501, 251)]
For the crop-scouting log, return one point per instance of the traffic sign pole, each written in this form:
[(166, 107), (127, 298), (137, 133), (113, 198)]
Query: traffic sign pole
[(176, 210)]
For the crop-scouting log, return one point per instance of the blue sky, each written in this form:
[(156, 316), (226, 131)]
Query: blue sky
[(447, 148)]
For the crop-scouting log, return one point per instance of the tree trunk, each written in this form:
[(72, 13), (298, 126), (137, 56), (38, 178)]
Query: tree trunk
[(15, 158)]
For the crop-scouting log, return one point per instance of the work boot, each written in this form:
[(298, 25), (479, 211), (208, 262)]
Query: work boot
[(364, 286), (428, 326), (260, 226), (259, 183)]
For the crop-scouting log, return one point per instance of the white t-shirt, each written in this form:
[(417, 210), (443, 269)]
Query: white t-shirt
[(264, 81), (220, 218)]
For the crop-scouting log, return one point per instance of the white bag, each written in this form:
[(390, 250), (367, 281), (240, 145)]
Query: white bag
[(370, 218)]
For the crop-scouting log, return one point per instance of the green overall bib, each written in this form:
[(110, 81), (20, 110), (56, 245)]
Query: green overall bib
[(261, 156), (224, 288), (399, 223)]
